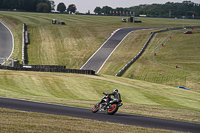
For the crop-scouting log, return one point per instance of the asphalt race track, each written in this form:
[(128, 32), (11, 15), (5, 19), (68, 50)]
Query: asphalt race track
[(127, 119), (6, 43), (97, 60)]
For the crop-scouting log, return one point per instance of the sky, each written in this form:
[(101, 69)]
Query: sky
[(84, 5)]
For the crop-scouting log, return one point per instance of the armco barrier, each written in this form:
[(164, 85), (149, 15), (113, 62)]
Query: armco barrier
[(40, 68), (25, 41), (43, 68), (121, 72), (23, 44)]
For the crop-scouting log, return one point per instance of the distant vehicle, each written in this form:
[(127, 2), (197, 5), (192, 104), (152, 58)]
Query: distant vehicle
[(123, 20), (182, 87), (62, 23), (188, 32)]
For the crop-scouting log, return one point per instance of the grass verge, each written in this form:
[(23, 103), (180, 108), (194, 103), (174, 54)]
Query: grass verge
[(139, 97), (18, 121)]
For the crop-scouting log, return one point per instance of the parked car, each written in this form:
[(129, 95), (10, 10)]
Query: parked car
[(123, 20), (188, 32), (182, 87)]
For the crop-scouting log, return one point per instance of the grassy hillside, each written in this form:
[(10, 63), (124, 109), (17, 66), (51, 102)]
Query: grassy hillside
[(126, 51), (139, 97), (72, 44), (181, 50)]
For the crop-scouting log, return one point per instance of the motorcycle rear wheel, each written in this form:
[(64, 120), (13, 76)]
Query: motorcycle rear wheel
[(113, 109), (96, 108)]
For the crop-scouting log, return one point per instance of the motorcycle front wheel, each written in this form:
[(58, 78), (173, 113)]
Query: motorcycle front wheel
[(113, 109), (96, 108)]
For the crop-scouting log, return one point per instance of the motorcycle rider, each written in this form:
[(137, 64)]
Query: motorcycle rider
[(116, 95), (116, 98)]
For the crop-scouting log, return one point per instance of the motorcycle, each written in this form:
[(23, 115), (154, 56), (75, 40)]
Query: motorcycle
[(111, 107)]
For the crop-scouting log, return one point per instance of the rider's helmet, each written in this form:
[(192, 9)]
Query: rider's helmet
[(115, 90)]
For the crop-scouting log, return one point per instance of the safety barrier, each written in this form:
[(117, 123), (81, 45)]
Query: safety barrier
[(47, 68), (25, 41), (121, 72), (40, 68)]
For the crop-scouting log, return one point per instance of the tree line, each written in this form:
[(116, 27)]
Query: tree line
[(27, 5), (45, 6), (169, 9), (62, 8)]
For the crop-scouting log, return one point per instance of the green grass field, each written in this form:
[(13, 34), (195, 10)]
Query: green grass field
[(84, 91), (149, 86), (32, 122), (181, 50), (71, 44)]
